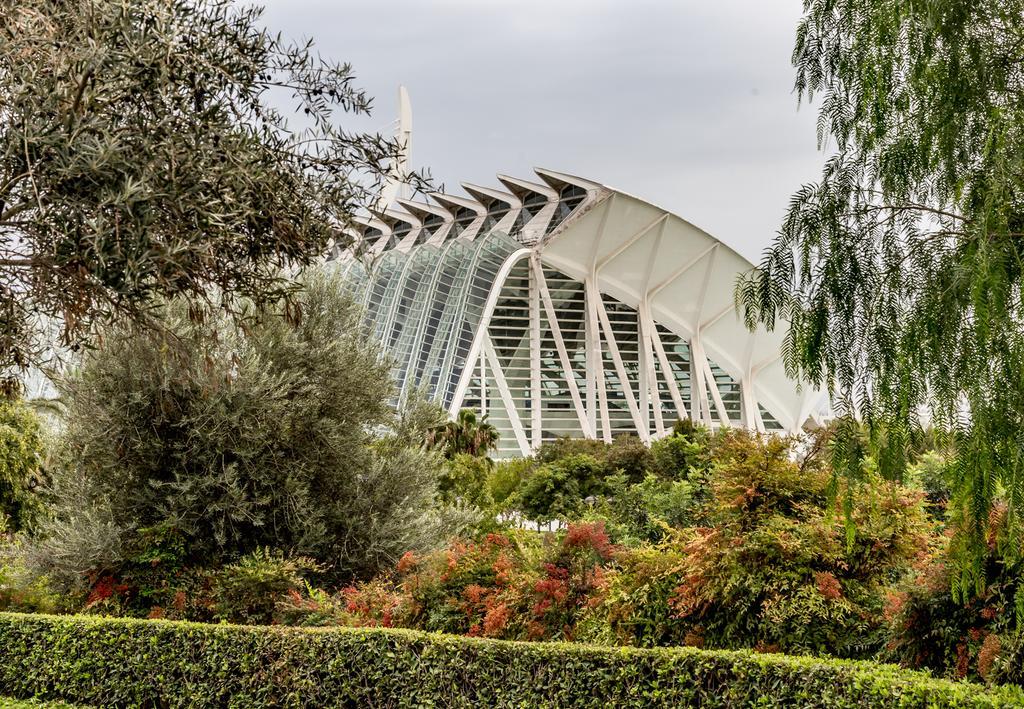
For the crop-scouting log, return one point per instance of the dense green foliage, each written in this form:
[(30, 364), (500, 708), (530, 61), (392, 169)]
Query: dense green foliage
[(637, 490), (21, 458), (142, 156), (981, 637), (769, 567), (110, 662), (774, 569), (31, 704), (197, 444), (901, 271), (724, 541)]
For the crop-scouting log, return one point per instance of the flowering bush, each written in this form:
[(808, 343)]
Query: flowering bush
[(513, 586), (634, 607), (774, 569)]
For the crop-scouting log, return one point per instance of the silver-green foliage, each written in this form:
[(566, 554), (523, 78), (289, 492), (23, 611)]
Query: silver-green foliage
[(901, 270), (274, 434), (153, 148)]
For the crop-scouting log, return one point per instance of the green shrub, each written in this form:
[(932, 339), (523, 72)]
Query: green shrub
[(571, 477), (774, 569), (635, 605), (242, 436), (31, 704), (558, 489), (21, 455), (931, 472), (564, 447), (20, 589), (646, 511), (1008, 661), (682, 456), (506, 478), (551, 493), (121, 662), (250, 590), (974, 637), (463, 480), (629, 456)]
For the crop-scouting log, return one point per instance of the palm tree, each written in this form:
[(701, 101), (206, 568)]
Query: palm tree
[(465, 434)]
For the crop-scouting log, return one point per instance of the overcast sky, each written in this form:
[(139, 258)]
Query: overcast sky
[(685, 103)]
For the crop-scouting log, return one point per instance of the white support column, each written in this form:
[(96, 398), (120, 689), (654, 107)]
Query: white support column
[(535, 383), (716, 395), (699, 368), (506, 396), (620, 369), (648, 368), (699, 410), (595, 357), (483, 384), (750, 413), (593, 298), (563, 355), (650, 391), (592, 362), (670, 377), (643, 374)]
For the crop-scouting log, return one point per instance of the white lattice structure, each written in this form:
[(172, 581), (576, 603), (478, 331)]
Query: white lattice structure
[(564, 307)]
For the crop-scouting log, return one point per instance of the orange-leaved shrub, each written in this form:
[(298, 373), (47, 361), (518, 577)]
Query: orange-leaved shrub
[(772, 569), (775, 569), (976, 635)]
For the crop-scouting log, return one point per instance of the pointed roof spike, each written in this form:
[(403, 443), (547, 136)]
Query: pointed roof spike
[(392, 215), (557, 180), (486, 194), (373, 222), (453, 203), (424, 209), (523, 187)]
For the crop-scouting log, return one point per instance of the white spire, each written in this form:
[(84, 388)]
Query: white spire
[(397, 185)]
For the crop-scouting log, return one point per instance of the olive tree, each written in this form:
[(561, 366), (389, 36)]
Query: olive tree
[(273, 433), (163, 148)]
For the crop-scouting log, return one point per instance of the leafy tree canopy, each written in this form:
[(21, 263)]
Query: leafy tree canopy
[(901, 270), (141, 156)]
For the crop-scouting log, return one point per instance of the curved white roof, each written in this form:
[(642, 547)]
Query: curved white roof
[(566, 307)]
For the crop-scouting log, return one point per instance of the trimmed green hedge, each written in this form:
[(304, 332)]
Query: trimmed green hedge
[(6, 703), (123, 662)]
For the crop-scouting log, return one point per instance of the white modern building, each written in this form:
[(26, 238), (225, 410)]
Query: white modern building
[(560, 306)]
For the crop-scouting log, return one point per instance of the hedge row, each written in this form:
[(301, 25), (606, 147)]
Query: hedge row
[(123, 662), (6, 703)]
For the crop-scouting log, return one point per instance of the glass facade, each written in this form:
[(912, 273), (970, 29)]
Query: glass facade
[(425, 305)]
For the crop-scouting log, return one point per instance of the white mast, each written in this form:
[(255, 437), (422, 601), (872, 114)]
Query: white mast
[(398, 184)]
